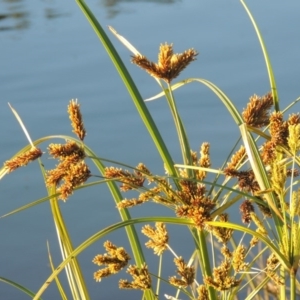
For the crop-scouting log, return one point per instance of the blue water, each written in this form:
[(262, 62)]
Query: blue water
[(50, 54)]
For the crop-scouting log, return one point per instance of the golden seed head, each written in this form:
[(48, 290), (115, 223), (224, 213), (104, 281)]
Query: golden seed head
[(62, 151), (294, 119), (127, 203), (159, 237), (294, 138), (278, 129), (197, 209), (76, 119), (221, 280), (141, 278), (115, 259), (268, 153), (186, 272), (226, 252), (238, 258), (202, 292), (254, 241), (257, 112), (261, 228), (204, 160), (169, 64), (23, 159), (221, 233), (237, 158), (129, 181), (278, 177), (272, 265)]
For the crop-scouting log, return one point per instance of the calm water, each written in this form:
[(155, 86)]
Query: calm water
[(49, 55)]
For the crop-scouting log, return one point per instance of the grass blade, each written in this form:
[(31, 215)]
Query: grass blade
[(266, 57)]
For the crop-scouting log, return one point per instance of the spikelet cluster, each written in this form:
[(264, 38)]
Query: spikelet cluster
[(189, 201), (169, 65), (221, 279), (222, 234), (186, 273), (115, 260), (76, 119), (159, 237), (71, 171), (256, 113), (271, 267), (23, 159), (141, 278)]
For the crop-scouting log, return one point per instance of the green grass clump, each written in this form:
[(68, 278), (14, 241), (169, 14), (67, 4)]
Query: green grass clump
[(256, 258)]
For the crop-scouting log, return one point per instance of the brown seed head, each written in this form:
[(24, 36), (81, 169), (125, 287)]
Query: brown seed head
[(129, 181), (23, 159), (278, 129), (221, 233), (238, 258), (115, 259), (257, 112), (221, 280), (169, 64), (159, 237), (202, 292), (76, 119), (237, 159), (141, 278), (62, 151), (246, 208), (186, 272)]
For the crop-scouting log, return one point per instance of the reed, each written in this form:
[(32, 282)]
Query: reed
[(254, 258)]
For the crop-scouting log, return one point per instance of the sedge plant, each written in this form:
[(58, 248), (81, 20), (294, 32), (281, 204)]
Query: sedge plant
[(256, 258)]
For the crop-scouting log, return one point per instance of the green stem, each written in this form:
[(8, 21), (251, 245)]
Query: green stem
[(283, 286), (182, 136), (293, 284), (205, 262), (159, 274)]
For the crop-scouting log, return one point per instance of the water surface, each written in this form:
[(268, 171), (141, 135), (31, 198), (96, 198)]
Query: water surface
[(49, 55)]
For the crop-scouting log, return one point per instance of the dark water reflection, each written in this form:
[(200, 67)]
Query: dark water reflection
[(113, 6), (15, 14)]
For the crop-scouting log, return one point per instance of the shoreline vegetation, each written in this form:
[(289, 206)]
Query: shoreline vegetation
[(255, 258)]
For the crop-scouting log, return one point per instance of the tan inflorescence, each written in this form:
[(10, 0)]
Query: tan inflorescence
[(71, 171), (222, 234), (76, 119), (202, 292), (273, 265), (159, 237), (129, 180), (238, 258), (221, 280), (169, 64), (23, 159), (115, 259), (187, 274), (204, 161), (246, 208), (256, 113), (190, 201), (283, 134), (141, 278)]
